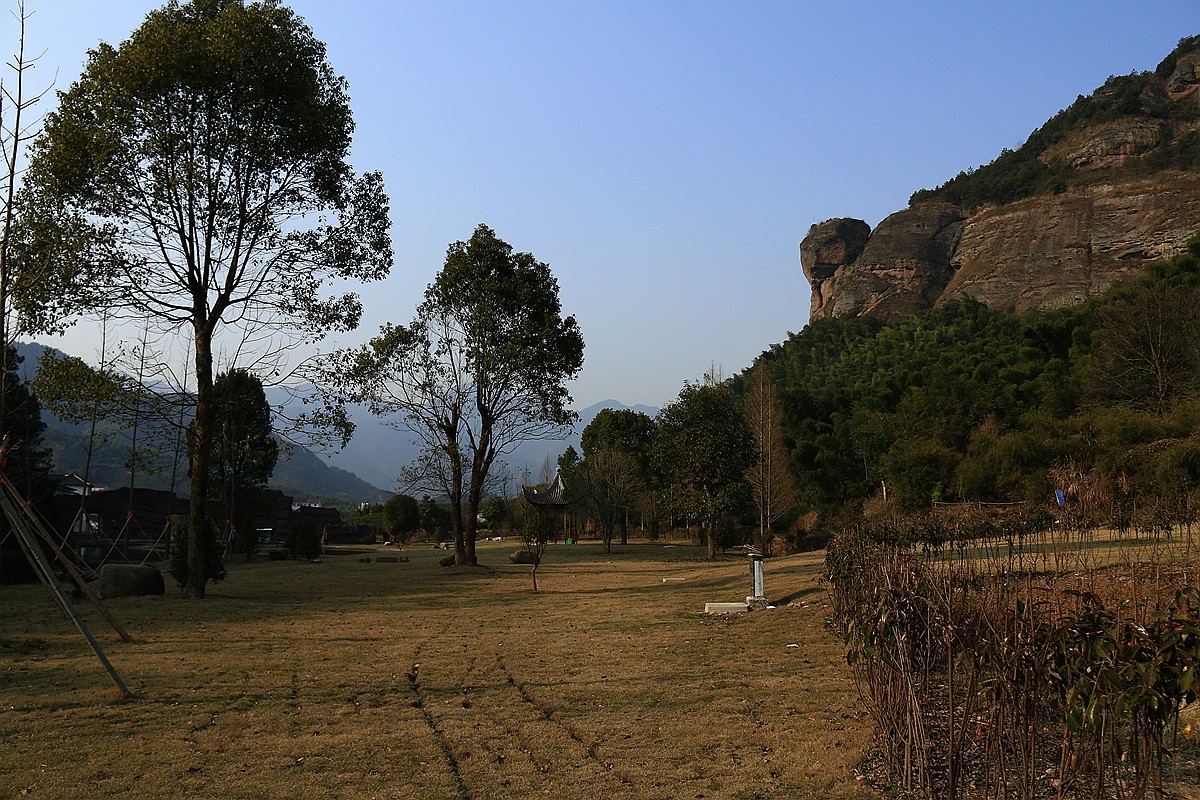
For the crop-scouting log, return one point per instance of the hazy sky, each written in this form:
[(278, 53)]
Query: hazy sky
[(667, 157)]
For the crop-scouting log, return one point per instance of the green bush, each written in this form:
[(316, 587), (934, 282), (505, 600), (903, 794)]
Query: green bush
[(179, 554), (811, 542), (304, 540)]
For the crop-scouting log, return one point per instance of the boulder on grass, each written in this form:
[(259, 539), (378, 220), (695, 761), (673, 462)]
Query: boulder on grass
[(448, 561), (129, 580), (522, 557)]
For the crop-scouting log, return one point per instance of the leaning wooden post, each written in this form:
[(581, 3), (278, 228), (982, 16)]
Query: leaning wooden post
[(38, 559)]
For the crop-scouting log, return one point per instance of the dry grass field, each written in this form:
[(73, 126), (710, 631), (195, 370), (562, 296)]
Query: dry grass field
[(344, 679)]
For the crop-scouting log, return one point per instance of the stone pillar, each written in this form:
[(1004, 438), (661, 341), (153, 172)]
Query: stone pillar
[(758, 596)]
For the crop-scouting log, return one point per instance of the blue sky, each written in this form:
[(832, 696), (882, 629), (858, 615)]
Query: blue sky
[(667, 157)]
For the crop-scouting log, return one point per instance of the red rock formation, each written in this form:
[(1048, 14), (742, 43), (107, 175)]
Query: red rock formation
[(1117, 210)]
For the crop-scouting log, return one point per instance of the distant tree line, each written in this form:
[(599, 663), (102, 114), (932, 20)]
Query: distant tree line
[(956, 404)]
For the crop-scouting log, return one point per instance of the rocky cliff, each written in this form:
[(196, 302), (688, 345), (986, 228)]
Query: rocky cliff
[(1108, 185)]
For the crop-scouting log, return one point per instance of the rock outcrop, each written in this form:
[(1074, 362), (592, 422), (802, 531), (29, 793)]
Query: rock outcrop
[(1037, 254), (1123, 190), (129, 580), (902, 266), (1050, 252)]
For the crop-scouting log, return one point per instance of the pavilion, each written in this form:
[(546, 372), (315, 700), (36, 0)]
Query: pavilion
[(544, 501)]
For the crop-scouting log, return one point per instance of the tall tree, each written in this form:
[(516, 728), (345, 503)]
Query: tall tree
[(481, 368), (403, 516), (771, 479), (16, 130), (608, 482), (1146, 351), (208, 155), (617, 446), (27, 464), (619, 429), (568, 469), (244, 449), (703, 449)]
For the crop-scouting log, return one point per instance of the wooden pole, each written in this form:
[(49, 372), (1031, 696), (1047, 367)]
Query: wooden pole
[(46, 573)]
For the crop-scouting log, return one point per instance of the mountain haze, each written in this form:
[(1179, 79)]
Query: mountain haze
[(162, 462), (365, 470), (377, 452)]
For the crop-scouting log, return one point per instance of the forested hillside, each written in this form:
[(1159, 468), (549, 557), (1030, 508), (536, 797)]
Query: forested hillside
[(967, 403), (1038, 166)]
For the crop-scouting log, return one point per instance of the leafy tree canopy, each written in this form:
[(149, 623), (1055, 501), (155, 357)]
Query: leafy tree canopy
[(195, 178), (402, 514), (481, 368), (703, 448), (244, 448)]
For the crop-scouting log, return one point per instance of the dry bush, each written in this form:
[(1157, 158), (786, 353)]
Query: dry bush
[(1004, 659)]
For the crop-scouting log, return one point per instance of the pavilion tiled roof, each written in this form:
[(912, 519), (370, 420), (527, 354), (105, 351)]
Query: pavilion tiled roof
[(555, 495)]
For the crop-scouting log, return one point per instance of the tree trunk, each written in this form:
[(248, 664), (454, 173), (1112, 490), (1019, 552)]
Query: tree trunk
[(460, 536), (710, 524), (456, 500), (481, 462), (199, 524), (471, 523)]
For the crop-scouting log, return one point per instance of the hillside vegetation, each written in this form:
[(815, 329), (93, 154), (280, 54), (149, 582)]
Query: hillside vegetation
[(964, 403), (1035, 168)]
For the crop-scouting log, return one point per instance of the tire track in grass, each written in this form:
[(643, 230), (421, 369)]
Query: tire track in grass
[(439, 736), (590, 748), (510, 733)]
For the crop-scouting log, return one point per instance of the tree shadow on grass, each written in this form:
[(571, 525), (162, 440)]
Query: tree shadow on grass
[(794, 596)]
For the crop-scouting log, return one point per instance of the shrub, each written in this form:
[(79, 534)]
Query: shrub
[(304, 540), (811, 542), (179, 554)]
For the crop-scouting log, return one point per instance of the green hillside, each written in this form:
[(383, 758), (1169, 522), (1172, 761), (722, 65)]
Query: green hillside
[(1033, 168), (962, 403), (162, 463)]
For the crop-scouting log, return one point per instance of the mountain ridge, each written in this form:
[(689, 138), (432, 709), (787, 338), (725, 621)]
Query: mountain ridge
[(298, 471), (1105, 187), (372, 459), (377, 451)]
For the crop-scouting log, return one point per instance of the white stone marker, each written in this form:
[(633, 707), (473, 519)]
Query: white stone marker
[(758, 598)]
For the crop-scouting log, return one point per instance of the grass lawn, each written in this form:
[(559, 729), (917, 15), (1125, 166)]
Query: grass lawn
[(376, 680)]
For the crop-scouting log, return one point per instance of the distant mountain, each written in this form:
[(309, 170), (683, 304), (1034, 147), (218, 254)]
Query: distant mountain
[(588, 414), (298, 472), (372, 459), (301, 473), (378, 452)]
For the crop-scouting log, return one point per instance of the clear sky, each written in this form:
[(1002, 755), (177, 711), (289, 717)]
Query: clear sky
[(666, 157)]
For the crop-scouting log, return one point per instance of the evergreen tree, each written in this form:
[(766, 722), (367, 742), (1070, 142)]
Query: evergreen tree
[(703, 449), (27, 463), (244, 451)]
